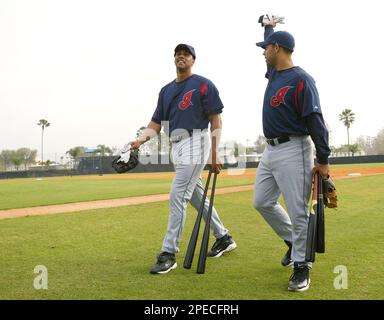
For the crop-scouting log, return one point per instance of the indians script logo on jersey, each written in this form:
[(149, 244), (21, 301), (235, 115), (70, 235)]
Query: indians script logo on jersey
[(278, 99), (187, 100)]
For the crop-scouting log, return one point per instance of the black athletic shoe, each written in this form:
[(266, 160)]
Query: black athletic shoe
[(222, 245), (287, 261), (165, 263), (299, 280)]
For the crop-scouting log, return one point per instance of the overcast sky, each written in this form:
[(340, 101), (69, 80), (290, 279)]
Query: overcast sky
[(94, 68)]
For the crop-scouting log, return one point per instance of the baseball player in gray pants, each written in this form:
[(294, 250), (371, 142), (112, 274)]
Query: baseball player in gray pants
[(189, 104), (291, 118)]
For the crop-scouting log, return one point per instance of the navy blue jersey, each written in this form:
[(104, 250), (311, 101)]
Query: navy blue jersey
[(290, 96), (292, 107), (187, 104)]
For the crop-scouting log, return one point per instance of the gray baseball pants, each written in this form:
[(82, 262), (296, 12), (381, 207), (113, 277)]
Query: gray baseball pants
[(286, 169), (189, 157)]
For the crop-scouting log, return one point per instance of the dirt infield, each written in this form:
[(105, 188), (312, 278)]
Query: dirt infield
[(111, 203), (99, 204)]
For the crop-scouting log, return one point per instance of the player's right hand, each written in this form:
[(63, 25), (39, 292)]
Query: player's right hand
[(136, 144)]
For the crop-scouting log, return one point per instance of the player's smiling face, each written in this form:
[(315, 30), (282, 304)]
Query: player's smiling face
[(183, 60)]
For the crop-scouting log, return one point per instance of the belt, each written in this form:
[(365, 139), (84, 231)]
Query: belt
[(183, 135), (276, 141)]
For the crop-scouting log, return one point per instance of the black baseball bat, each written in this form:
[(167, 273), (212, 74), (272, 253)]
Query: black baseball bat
[(204, 243), (310, 251), (195, 232), (320, 225)]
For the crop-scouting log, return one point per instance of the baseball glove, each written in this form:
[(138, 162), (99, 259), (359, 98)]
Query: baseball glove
[(126, 161), (329, 192), (269, 19)]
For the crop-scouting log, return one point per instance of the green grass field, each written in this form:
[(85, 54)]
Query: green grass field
[(21, 193), (107, 253)]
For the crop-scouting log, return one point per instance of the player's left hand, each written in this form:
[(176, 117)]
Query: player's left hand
[(323, 169), (270, 20)]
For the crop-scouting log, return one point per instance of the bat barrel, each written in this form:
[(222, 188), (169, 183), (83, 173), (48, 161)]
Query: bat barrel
[(310, 251), (320, 226), (204, 244), (195, 232)]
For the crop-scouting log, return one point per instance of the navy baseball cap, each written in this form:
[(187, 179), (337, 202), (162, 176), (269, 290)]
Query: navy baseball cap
[(187, 47), (282, 38)]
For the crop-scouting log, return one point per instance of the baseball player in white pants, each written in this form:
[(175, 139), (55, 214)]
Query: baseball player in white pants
[(189, 157), (292, 116), (286, 169), (190, 104)]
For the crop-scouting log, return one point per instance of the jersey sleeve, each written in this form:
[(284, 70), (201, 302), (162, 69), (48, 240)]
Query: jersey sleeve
[(307, 99), (158, 115), (210, 98), (268, 30), (320, 136)]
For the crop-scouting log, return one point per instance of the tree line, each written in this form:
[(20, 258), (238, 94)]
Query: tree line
[(22, 157), (25, 157), (372, 145)]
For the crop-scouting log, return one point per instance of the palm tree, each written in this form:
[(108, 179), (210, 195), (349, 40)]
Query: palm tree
[(348, 117), (43, 123)]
